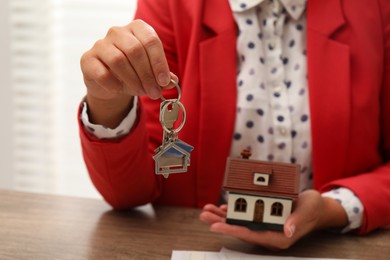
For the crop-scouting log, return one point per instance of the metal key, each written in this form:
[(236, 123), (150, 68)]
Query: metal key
[(173, 155), (171, 114), (168, 118)]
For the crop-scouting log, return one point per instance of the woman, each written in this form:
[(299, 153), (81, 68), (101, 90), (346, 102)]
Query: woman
[(336, 124)]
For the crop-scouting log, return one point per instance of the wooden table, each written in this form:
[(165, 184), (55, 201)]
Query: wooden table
[(36, 226)]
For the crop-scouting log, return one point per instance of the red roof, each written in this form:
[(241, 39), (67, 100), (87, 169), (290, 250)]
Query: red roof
[(283, 177)]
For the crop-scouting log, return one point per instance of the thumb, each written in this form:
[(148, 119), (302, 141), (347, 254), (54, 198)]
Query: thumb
[(294, 222), (170, 84), (290, 226), (304, 216)]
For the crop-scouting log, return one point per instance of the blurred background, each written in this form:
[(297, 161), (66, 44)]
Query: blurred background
[(41, 87)]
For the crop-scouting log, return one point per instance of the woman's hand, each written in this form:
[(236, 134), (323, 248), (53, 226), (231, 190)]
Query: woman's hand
[(129, 61), (312, 212)]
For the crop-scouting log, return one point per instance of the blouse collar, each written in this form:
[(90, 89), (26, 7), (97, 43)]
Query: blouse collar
[(294, 8)]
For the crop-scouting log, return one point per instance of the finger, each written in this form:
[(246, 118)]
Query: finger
[(174, 77), (97, 77), (171, 85), (135, 54), (303, 219), (215, 210), (155, 51), (293, 222), (223, 207), (210, 218), (269, 239), (289, 229), (116, 61)]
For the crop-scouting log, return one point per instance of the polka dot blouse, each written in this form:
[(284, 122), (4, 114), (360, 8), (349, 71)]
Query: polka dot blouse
[(273, 116)]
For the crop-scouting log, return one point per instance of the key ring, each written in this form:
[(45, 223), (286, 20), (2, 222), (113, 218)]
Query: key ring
[(173, 155), (178, 93), (164, 108)]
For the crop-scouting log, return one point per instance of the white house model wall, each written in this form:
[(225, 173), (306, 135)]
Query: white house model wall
[(248, 215)]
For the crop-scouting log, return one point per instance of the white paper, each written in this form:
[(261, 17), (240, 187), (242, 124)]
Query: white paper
[(226, 254)]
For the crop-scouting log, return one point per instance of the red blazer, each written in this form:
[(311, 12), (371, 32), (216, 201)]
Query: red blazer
[(348, 50)]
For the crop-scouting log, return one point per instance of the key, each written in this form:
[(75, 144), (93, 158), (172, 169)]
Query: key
[(168, 118), (171, 113), (173, 155)]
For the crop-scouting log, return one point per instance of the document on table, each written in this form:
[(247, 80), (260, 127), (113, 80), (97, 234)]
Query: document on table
[(226, 254)]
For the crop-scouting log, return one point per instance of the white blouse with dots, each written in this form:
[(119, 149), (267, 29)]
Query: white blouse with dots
[(273, 117)]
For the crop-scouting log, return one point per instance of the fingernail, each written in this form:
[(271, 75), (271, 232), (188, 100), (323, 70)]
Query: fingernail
[(292, 231), (164, 79), (155, 92)]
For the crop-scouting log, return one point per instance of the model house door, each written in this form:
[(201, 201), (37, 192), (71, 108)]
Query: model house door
[(259, 211)]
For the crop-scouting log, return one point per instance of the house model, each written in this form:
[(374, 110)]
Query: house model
[(172, 158), (260, 194)]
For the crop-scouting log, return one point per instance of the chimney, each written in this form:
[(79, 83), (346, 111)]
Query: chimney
[(246, 153)]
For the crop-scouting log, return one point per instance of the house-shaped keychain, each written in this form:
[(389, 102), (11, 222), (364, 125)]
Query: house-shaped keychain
[(172, 158), (260, 194)]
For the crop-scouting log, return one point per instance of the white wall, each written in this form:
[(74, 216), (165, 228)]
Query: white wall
[(250, 210), (69, 173), (5, 100), (74, 40)]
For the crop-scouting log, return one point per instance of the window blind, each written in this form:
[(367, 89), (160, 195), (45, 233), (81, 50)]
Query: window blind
[(33, 91), (48, 38)]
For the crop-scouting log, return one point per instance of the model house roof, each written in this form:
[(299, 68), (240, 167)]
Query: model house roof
[(262, 178)]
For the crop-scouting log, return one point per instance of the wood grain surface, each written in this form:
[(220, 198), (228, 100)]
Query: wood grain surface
[(38, 226)]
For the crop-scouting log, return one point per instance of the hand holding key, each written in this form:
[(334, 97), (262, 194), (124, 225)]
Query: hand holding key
[(173, 155), (129, 61)]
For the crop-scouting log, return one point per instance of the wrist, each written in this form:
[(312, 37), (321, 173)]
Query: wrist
[(108, 113), (333, 215)]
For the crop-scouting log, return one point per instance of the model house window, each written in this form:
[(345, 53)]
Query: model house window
[(240, 205), (277, 209), (261, 179)]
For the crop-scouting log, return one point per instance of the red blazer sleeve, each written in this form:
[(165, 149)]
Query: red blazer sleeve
[(123, 170), (373, 188)]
